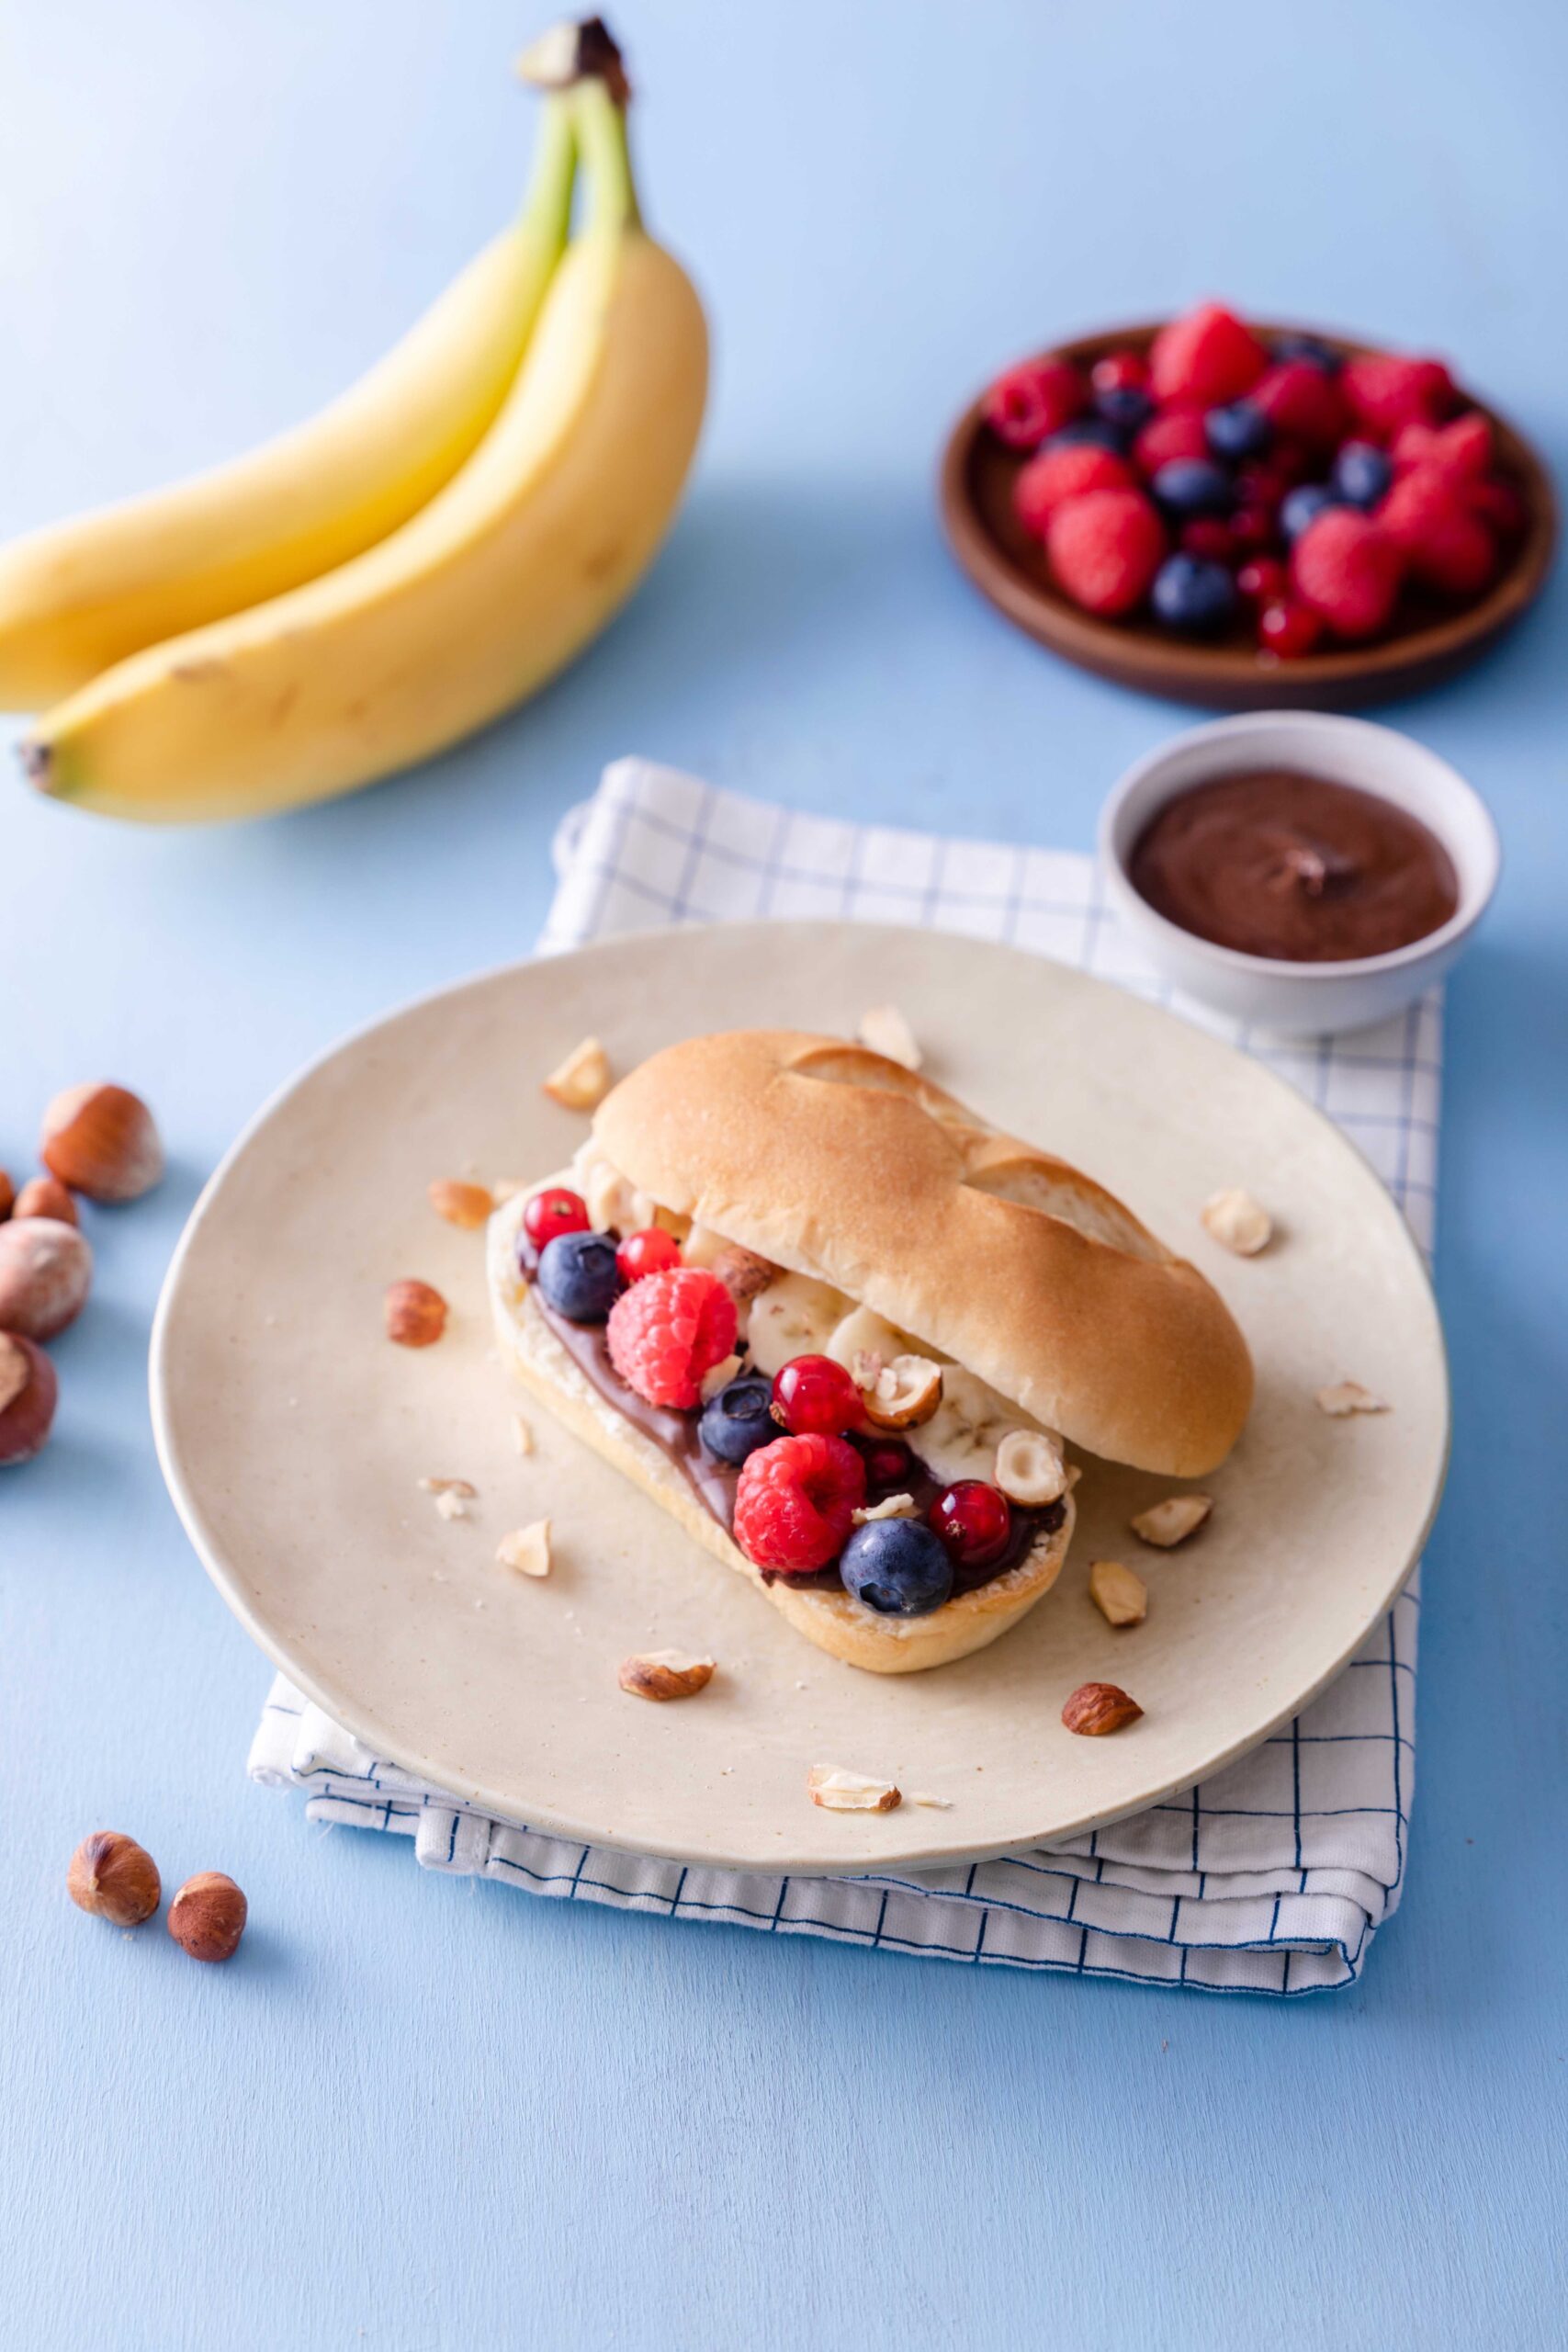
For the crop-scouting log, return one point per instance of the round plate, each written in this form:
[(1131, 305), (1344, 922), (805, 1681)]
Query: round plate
[(1009, 567), (293, 1435)]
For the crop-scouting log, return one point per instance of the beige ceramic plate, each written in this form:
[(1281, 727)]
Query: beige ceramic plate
[(293, 1435)]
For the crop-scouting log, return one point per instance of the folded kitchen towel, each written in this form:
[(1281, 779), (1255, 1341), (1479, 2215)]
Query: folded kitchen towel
[(1270, 1878)]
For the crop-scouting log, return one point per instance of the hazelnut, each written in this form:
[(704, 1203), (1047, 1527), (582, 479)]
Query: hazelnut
[(47, 1196), (527, 1549), (114, 1878), (101, 1140), (1237, 1223), (902, 1395), (207, 1918), (45, 1269), (1097, 1708), (1118, 1593), (1030, 1468), (665, 1674), (416, 1315), (1171, 1521), (582, 1080), (466, 1206), (8, 1195), (29, 1393), (840, 1792)]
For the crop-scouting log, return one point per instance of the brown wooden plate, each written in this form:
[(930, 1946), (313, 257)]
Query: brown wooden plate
[(1430, 642)]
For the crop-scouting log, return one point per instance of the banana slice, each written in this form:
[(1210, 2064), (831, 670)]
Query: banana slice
[(863, 1333), (794, 1317), (961, 1438)]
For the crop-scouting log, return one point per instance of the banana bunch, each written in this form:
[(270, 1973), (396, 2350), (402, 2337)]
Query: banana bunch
[(426, 553)]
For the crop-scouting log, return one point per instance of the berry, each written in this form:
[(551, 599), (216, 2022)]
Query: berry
[(1208, 537), (737, 1421), (1446, 545), (1058, 474), (1261, 486), (1120, 371), (1496, 502), (1348, 569), (1287, 629), (974, 1521), (1387, 391), (814, 1393), (1029, 402), (1125, 406), (667, 1331), (1207, 356), (1263, 580), (1303, 506), (888, 1462), (1361, 474), (1310, 348), (1193, 486), (651, 1251), (898, 1567), (1090, 433), (1462, 448), (552, 1212), (578, 1277), (1193, 594), (1174, 433), (795, 1501), (1105, 548), (1242, 430), (1301, 402), (1250, 527)]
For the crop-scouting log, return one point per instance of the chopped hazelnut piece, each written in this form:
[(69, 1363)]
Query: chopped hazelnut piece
[(885, 1031), (1121, 1596), (522, 1435), (891, 1507), (839, 1791), (582, 1080), (1238, 1223), (1349, 1397), (465, 1205), (934, 1804), (1096, 1709), (1172, 1521), (527, 1549), (666, 1674)]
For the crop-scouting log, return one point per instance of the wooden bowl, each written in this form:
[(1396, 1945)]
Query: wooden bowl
[(1430, 642)]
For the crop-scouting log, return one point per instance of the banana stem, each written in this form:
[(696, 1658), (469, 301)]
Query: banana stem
[(600, 125), (548, 197)]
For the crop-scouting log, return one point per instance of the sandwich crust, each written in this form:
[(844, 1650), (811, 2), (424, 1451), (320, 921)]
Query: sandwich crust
[(835, 1162)]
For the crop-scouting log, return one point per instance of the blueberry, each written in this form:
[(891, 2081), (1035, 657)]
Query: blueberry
[(1240, 431), (1361, 474), (1092, 431), (1308, 347), (737, 1421), (1303, 506), (1193, 594), (1124, 406), (898, 1567), (1189, 486), (578, 1276)]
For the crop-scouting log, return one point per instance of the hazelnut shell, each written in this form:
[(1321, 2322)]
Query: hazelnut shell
[(29, 1393), (46, 1270), (47, 1196)]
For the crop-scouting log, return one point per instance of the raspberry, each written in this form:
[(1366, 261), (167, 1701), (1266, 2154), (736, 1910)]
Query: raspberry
[(1032, 400), (1207, 356), (1348, 567), (1387, 391), (1462, 448), (1447, 546), (667, 1331), (1301, 400), (1064, 472), (795, 1501), (1496, 502), (1174, 433), (1105, 548)]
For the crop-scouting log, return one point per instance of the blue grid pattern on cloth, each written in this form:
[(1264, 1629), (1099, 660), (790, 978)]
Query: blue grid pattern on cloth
[(1271, 1877)]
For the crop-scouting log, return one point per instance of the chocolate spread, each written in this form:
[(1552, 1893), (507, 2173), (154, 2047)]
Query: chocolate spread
[(714, 1482), (1281, 865)]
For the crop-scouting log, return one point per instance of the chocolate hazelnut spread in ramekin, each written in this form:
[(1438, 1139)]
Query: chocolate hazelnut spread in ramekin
[(1293, 867)]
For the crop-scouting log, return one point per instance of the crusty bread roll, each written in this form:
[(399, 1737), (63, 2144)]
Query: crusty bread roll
[(834, 1620), (834, 1162)]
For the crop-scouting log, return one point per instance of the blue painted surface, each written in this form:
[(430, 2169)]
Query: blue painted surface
[(420, 2113)]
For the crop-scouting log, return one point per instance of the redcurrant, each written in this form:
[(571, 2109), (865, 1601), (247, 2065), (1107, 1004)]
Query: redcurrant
[(554, 1212), (887, 1462), (1289, 630), (1207, 537), (1120, 371), (974, 1521), (651, 1251), (815, 1396), (1263, 580)]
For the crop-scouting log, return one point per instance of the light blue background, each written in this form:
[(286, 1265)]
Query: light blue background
[(422, 2114)]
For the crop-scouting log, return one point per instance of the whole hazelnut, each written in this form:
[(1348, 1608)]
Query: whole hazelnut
[(100, 1139), (45, 1269), (47, 1196), (416, 1315), (114, 1878), (29, 1393), (207, 1918), (7, 1194)]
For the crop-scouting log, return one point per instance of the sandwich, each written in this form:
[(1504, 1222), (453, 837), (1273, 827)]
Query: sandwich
[(844, 1331)]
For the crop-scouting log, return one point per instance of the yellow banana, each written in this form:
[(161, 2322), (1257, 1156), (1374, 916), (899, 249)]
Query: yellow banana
[(85, 593), (483, 596)]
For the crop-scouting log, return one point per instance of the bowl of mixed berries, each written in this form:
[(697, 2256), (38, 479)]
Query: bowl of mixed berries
[(1243, 516)]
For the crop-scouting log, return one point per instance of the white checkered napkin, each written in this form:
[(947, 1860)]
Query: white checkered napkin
[(1270, 1878)]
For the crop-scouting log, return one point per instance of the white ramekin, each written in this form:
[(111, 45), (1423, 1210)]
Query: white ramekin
[(1303, 999)]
